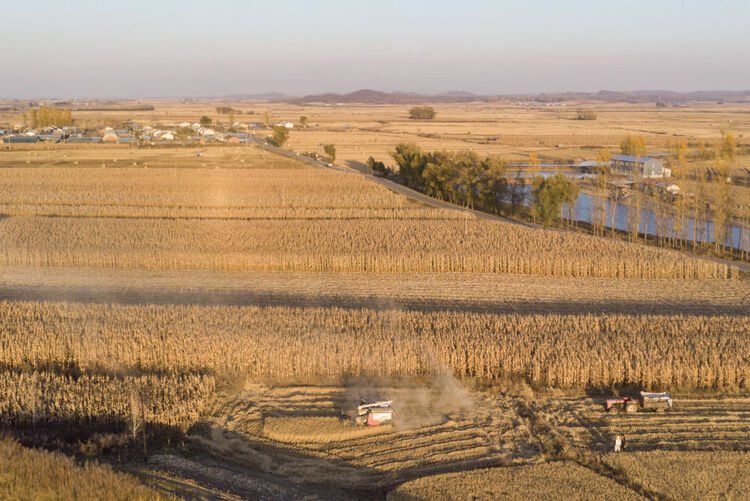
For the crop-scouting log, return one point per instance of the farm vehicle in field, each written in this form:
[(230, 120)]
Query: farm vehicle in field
[(374, 414), (657, 402)]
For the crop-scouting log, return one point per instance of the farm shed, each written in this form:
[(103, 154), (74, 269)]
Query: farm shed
[(643, 166)]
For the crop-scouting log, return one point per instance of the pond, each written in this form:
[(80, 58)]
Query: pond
[(582, 211)]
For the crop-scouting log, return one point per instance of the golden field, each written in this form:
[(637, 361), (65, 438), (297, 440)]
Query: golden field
[(563, 480), (374, 129), (285, 343), (694, 423), (298, 432), (38, 474), (689, 475), (216, 286), (666, 475), (266, 219)]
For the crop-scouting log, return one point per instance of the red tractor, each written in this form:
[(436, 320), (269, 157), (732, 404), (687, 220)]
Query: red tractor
[(648, 402)]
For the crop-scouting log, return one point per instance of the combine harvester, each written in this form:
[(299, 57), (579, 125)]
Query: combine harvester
[(657, 402), (374, 414)]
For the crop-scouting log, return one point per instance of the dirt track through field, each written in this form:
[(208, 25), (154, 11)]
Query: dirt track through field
[(422, 291)]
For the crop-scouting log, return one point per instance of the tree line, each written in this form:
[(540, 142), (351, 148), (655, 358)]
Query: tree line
[(44, 117), (704, 203), (463, 178)]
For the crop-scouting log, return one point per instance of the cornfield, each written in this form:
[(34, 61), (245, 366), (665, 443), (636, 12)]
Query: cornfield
[(564, 351), (285, 220), (40, 398), (335, 245), (38, 474), (122, 191)]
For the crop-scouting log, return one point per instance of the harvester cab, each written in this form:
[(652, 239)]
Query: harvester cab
[(374, 414)]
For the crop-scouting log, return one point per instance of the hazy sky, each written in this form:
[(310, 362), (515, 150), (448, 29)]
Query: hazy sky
[(165, 48)]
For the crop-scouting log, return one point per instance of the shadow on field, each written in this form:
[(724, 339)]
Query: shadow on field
[(105, 294), (360, 166), (296, 470)]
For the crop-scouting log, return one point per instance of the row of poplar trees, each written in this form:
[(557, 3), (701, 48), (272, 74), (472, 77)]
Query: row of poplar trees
[(43, 117), (705, 205)]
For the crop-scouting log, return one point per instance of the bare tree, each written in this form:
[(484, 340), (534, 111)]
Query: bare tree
[(599, 205), (634, 214)]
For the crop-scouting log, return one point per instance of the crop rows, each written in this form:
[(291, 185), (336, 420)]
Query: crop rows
[(565, 351), (689, 474), (285, 220), (104, 189), (335, 245), (563, 480), (386, 291), (38, 474), (44, 397), (692, 423), (438, 425)]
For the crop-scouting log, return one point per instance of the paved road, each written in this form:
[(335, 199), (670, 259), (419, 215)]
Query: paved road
[(440, 204)]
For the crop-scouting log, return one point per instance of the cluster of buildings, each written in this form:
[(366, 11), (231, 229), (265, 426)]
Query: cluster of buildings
[(645, 167), (133, 133), (651, 173)]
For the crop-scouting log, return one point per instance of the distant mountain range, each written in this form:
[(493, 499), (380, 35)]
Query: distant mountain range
[(369, 96)]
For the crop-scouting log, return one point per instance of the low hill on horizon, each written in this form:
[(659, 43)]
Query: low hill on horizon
[(370, 96)]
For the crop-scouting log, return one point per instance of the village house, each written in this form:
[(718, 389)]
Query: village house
[(642, 166)]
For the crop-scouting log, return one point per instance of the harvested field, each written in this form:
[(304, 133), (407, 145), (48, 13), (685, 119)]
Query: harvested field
[(211, 288), (688, 474), (288, 431), (563, 480), (698, 424)]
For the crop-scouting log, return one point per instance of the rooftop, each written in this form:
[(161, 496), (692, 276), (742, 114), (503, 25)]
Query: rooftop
[(631, 158)]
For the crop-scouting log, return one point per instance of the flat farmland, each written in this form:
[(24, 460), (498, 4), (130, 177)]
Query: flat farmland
[(478, 292), (247, 301), (285, 342), (509, 131), (566, 480), (259, 219), (298, 432), (699, 424), (488, 128)]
